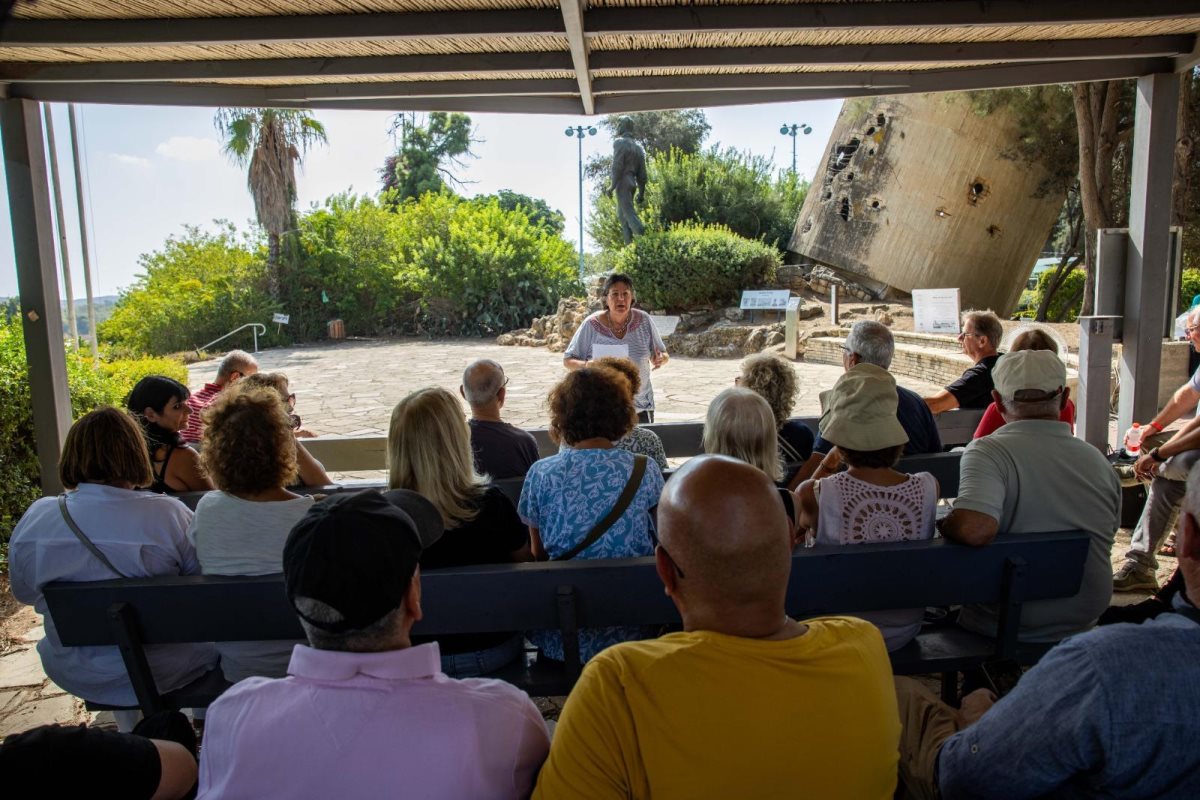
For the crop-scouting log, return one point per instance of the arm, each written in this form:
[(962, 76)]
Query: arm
[(535, 545), (580, 348), (806, 507), (979, 506), (1186, 438), (574, 363), (969, 527), (311, 471), (185, 470), (1183, 401), (179, 770), (942, 401)]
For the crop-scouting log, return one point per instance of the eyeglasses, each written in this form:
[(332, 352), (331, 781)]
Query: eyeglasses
[(659, 546), (1191, 328), (965, 334)]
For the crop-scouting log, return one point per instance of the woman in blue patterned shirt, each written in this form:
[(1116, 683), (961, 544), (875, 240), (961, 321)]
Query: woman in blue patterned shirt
[(565, 495)]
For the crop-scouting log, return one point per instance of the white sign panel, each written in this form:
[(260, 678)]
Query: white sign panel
[(282, 319), (936, 310), (665, 325), (610, 350), (769, 299), (793, 303)]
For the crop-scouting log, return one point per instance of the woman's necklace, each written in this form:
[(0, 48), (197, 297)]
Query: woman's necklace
[(619, 332)]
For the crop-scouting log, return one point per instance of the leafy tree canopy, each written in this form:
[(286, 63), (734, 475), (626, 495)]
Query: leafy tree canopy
[(423, 162), (537, 209), (658, 132)]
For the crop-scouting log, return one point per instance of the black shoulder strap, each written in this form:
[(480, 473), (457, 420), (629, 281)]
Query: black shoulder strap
[(614, 514), (84, 540)]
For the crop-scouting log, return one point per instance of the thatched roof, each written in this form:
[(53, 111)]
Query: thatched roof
[(572, 56)]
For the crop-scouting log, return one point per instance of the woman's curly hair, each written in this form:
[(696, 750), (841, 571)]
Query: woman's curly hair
[(774, 379), (624, 366), (590, 403), (248, 445)]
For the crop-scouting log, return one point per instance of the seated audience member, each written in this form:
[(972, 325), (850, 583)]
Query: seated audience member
[(308, 470), (591, 501), (745, 702), (1033, 476), (364, 713), (773, 378), (870, 502), (1166, 467), (160, 404), (157, 761), (139, 535), (1032, 339), (239, 529), (979, 339), (501, 450), (429, 451), (639, 440), (235, 365), (739, 423), (1114, 712), (871, 342)]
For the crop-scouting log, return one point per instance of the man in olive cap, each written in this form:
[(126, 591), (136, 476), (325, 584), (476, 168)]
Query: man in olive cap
[(363, 712), (1033, 476)]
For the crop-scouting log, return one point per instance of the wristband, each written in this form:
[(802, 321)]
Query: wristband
[(1156, 426), (1160, 458)]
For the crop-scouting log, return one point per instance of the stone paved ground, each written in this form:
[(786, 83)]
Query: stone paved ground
[(350, 388)]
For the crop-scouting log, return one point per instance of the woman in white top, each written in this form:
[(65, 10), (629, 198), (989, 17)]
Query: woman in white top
[(871, 501), (141, 534), (240, 528)]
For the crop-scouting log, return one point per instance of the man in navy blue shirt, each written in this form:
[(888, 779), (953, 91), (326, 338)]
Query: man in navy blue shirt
[(871, 342), (1114, 712)]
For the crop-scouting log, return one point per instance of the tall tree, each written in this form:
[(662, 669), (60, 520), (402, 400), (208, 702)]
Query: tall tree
[(537, 209), (423, 161), (270, 141), (657, 132)]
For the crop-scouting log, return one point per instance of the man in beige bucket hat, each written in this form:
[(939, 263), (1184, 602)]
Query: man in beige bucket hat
[(1033, 476)]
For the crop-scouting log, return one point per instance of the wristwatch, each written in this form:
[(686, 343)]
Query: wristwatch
[(1157, 456)]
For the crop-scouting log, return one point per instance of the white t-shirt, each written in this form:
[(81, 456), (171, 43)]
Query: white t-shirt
[(233, 536), (143, 535)]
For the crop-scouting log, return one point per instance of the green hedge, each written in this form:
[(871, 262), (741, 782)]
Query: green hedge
[(90, 387), (693, 266)]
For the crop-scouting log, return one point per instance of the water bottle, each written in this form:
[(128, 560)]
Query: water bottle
[(1133, 440)]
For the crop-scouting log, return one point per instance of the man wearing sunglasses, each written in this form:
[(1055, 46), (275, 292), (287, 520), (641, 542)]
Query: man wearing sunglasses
[(981, 332), (744, 702)]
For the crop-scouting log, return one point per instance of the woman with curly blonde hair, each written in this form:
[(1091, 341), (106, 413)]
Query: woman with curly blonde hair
[(429, 451), (240, 528), (774, 379)]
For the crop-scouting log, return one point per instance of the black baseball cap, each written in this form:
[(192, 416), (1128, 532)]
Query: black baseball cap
[(357, 552)]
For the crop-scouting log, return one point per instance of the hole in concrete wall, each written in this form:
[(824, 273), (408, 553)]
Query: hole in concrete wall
[(842, 154), (849, 176), (844, 212), (977, 190), (870, 131), (807, 226), (880, 120), (871, 152), (875, 204), (828, 195), (994, 231), (901, 134)]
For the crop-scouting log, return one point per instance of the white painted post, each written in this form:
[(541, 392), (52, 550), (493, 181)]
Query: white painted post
[(833, 304)]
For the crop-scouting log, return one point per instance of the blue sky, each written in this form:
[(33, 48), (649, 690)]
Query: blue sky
[(152, 170)]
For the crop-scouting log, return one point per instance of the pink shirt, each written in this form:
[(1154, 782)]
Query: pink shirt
[(197, 402), (371, 725)]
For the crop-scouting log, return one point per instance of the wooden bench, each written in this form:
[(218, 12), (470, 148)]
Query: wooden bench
[(680, 440), (567, 596)]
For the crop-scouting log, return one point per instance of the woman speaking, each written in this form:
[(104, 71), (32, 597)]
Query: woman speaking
[(625, 332)]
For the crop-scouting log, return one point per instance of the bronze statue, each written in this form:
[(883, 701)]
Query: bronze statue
[(628, 174)]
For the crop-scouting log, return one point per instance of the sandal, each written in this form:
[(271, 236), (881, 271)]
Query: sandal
[(1168, 548)]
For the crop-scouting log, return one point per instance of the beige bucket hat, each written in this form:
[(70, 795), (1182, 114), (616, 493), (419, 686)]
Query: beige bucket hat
[(859, 412)]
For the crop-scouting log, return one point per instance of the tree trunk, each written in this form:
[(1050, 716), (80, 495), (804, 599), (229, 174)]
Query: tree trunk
[(273, 266), (1184, 148), (1096, 118), (1070, 260)]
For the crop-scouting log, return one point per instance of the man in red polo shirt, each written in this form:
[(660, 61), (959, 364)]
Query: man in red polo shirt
[(235, 365)]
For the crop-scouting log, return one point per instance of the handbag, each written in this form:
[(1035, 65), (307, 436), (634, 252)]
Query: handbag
[(614, 514), (84, 540)]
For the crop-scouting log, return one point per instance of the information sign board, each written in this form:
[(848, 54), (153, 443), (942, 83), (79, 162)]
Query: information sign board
[(765, 299), (936, 310)]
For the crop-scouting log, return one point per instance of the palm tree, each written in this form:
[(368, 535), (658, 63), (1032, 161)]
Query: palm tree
[(270, 141)]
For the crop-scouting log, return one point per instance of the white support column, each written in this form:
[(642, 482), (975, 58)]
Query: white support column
[(37, 281), (1147, 261)]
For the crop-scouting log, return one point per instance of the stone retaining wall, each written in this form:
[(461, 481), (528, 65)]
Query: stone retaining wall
[(934, 366)]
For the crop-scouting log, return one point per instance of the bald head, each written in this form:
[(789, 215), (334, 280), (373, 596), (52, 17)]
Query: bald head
[(722, 522), (482, 381)]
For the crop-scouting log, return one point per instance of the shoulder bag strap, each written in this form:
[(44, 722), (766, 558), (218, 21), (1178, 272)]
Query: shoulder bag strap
[(84, 540), (790, 454), (631, 487)]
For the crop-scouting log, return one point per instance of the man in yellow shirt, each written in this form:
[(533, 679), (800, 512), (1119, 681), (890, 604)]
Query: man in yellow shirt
[(745, 702)]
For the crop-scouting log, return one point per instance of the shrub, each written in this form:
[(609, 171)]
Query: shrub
[(1189, 288), (198, 287), (1065, 305), (89, 387), (690, 266)]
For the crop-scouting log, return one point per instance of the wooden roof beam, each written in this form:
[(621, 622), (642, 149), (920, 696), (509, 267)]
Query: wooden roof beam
[(353, 92), (572, 15)]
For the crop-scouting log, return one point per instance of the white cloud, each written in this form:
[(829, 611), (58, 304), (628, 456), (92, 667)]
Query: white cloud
[(189, 148), (128, 160)]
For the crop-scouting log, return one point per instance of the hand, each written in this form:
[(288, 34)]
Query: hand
[(304, 433), (659, 358), (1145, 466), (974, 706)]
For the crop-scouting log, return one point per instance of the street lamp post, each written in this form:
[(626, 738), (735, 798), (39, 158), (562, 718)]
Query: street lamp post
[(792, 130), (579, 132)]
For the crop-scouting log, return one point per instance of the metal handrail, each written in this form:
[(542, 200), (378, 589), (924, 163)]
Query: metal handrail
[(253, 325)]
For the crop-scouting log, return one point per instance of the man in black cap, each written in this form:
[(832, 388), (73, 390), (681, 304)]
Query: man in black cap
[(363, 712)]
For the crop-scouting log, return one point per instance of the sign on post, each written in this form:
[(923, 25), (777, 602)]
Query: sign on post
[(936, 310), (765, 299), (281, 319)]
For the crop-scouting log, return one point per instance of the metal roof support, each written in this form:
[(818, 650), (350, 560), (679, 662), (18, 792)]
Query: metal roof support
[(572, 12), (37, 282), (1147, 259)]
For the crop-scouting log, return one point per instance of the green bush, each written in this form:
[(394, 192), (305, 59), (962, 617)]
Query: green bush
[(89, 387), (198, 287), (1189, 288), (1065, 305), (691, 266), (713, 187)]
